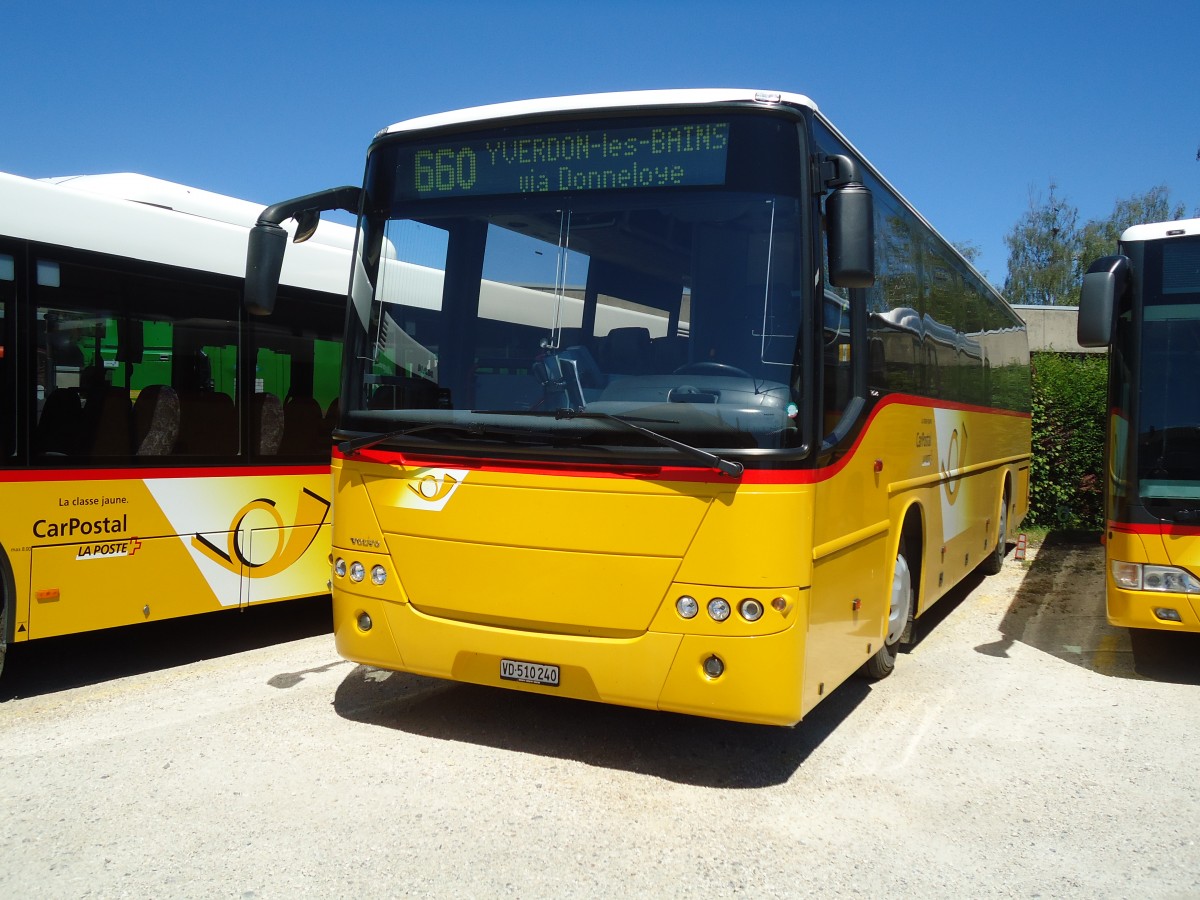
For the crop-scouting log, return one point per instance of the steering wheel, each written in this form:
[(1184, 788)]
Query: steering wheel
[(712, 368)]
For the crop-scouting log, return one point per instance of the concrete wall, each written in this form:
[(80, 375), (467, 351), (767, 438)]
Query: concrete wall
[(1053, 328)]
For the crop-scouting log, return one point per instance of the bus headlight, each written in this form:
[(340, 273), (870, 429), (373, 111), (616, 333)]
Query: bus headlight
[(687, 607), (1163, 579), (357, 571), (718, 609), (750, 609), (339, 567), (378, 575)]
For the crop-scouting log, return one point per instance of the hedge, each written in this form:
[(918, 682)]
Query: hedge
[(1066, 485)]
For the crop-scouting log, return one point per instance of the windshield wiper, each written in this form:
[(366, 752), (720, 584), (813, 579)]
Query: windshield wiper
[(474, 429), (362, 443), (724, 466)]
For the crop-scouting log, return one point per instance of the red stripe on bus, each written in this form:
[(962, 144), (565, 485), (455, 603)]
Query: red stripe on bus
[(145, 474), (1159, 529)]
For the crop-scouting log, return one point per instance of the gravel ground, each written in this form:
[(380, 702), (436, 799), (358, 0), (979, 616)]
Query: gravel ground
[(1022, 749)]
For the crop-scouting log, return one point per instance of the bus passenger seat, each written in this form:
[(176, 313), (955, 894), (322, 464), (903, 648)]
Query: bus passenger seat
[(266, 424), (108, 421), (207, 424), (58, 426), (303, 428), (156, 420)]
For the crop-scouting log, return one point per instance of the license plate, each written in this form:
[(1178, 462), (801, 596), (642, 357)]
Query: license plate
[(530, 673)]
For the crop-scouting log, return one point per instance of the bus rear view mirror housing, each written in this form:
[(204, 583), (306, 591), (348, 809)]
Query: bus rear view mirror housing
[(264, 262), (1103, 285), (850, 223), (268, 241)]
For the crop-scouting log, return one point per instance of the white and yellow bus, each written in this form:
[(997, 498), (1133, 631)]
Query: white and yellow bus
[(161, 454), (664, 399), (1144, 305)]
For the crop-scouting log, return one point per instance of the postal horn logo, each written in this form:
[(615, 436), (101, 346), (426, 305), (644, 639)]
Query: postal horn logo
[(291, 541), (431, 489), (956, 455)]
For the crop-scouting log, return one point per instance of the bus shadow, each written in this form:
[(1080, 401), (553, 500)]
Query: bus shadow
[(678, 748), (78, 660), (1059, 609)]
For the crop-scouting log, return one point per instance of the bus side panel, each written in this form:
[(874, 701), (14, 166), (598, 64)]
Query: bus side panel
[(103, 553), (950, 465)]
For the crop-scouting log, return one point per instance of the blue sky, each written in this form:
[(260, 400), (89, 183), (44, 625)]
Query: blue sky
[(969, 109)]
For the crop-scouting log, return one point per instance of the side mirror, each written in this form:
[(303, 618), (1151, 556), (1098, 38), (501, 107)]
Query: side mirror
[(268, 241), (1103, 285), (849, 224), (264, 263), (850, 220)]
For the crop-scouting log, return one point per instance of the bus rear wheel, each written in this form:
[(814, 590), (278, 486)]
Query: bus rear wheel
[(900, 605), (994, 561)]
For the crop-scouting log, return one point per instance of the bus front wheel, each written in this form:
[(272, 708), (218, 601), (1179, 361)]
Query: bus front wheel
[(881, 664)]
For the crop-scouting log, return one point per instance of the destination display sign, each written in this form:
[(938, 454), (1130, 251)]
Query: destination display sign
[(672, 154)]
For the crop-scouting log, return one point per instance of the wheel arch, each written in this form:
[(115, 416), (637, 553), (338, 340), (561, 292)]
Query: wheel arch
[(911, 536)]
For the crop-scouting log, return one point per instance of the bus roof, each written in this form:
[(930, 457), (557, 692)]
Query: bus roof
[(149, 219), (1154, 231), (596, 102)]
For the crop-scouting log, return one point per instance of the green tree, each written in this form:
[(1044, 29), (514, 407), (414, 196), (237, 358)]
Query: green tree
[(1099, 236), (969, 249), (1042, 251)]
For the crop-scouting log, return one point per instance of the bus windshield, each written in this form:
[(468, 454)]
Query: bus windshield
[(677, 306), (1169, 405)]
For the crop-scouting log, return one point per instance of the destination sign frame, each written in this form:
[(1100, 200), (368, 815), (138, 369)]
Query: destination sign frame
[(663, 154)]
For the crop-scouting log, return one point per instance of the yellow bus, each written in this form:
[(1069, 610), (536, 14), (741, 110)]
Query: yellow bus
[(665, 399), (1144, 305), (161, 454)]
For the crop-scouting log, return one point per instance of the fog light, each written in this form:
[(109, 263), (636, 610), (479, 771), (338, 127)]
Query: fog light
[(687, 607), (378, 575), (713, 667), (364, 622), (339, 568), (357, 571), (718, 608), (1167, 615), (750, 609)]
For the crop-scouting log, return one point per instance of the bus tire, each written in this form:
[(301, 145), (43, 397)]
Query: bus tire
[(900, 609), (994, 561)]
